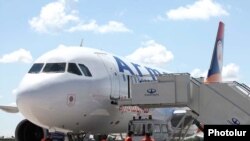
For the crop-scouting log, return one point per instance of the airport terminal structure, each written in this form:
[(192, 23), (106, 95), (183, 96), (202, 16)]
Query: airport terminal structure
[(207, 103)]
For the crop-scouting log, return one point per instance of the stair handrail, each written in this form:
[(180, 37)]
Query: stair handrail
[(243, 86)]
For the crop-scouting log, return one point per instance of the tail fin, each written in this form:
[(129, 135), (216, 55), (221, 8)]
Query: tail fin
[(215, 70)]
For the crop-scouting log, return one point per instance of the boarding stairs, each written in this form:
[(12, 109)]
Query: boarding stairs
[(211, 103)]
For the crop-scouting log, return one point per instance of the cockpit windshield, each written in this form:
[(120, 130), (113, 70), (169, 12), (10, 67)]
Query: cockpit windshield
[(73, 68), (85, 70), (54, 67), (36, 68)]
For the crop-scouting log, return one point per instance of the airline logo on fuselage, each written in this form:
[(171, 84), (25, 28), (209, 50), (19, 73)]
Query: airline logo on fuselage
[(125, 67)]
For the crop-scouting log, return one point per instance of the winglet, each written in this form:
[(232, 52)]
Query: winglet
[(215, 70)]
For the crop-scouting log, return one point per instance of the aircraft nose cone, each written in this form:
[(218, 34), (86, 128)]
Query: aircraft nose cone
[(43, 100), (38, 101), (27, 101), (33, 95)]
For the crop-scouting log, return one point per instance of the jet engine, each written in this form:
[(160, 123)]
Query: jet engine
[(27, 131)]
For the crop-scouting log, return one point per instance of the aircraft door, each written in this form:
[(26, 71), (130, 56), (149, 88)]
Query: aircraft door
[(113, 74), (125, 85)]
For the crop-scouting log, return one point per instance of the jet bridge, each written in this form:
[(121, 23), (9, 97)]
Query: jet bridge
[(213, 103)]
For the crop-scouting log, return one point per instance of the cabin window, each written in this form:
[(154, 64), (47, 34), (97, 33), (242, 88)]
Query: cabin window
[(164, 128), (157, 128), (54, 67), (72, 68), (36, 68), (85, 70), (138, 129)]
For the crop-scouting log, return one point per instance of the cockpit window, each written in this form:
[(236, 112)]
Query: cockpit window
[(55, 67), (72, 68), (85, 70), (36, 68)]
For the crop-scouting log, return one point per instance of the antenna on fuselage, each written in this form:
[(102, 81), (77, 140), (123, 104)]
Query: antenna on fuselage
[(81, 42)]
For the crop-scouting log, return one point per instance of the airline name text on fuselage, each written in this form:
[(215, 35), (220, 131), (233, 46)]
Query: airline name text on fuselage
[(125, 67)]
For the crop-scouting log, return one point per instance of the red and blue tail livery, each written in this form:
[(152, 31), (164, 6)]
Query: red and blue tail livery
[(215, 70)]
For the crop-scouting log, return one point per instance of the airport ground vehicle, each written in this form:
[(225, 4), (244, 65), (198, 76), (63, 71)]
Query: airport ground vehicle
[(157, 129)]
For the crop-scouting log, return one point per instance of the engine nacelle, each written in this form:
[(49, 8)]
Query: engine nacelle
[(27, 131)]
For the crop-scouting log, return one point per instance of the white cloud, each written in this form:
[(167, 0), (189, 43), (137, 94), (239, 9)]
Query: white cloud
[(198, 73), (111, 26), (230, 72), (59, 16), (159, 18), (151, 53), (1, 96), (54, 17), (201, 9), (20, 55)]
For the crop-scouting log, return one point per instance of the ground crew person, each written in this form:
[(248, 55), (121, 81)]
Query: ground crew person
[(147, 137), (104, 138), (129, 136)]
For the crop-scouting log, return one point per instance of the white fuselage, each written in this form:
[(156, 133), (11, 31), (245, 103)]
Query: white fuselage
[(64, 101)]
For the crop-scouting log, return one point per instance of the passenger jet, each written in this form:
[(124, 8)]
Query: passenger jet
[(73, 90)]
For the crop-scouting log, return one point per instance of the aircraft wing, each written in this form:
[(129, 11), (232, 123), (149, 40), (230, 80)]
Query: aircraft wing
[(9, 109)]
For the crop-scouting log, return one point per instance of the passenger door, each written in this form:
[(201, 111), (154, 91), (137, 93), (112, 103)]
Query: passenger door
[(112, 74)]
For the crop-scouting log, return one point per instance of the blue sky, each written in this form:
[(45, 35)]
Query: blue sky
[(177, 35)]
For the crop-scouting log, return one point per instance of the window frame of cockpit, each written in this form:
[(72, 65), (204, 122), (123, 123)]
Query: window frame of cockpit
[(76, 64), (40, 70), (89, 74), (45, 64), (82, 68)]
